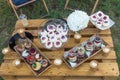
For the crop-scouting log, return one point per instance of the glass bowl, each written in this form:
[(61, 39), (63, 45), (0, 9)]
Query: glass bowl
[(53, 33)]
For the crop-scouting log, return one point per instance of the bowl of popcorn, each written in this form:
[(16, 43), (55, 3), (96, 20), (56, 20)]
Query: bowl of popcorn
[(101, 20), (54, 33)]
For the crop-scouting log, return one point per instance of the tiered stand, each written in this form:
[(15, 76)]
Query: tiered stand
[(107, 69)]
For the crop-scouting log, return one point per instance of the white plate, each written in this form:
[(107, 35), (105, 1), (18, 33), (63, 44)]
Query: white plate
[(103, 27)]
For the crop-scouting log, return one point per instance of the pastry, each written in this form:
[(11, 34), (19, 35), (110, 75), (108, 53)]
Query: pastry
[(59, 27), (27, 44), (93, 18), (50, 34), (52, 38), (105, 18), (106, 23), (63, 38), (89, 46), (44, 62), (20, 47), (36, 66), (99, 14), (25, 53), (57, 34), (72, 56), (99, 24), (49, 44), (32, 51), (44, 39), (38, 57), (30, 59), (81, 50), (64, 32), (51, 28), (98, 41), (43, 32), (57, 44)]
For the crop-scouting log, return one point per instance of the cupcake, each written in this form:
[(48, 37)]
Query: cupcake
[(98, 24), (93, 18), (57, 34), (30, 59), (49, 44), (81, 50), (32, 51), (58, 44), (59, 27), (43, 32), (99, 14), (44, 62), (51, 28), (27, 44), (36, 66), (44, 39), (105, 18), (98, 41), (72, 57), (20, 47), (25, 53), (106, 23), (64, 32), (51, 34), (52, 38), (38, 57), (63, 38), (89, 46)]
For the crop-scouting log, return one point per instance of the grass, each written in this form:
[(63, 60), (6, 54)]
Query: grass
[(56, 7)]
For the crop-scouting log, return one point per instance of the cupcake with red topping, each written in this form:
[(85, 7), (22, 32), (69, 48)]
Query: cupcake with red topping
[(44, 39), (63, 38), (51, 28), (32, 51), (57, 44), (43, 32), (93, 17), (30, 59), (51, 34), (48, 44), (59, 27)]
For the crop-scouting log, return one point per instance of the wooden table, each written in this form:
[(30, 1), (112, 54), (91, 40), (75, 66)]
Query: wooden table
[(108, 67)]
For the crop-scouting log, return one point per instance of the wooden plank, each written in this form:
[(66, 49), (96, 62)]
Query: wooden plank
[(104, 69), (110, 78), (85, 32), (71, 43), (9, 77), (83, 78), (31, 78), (59, 53)]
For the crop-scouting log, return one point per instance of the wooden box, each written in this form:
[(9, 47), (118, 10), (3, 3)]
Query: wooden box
[(73, 59), (37, 65)]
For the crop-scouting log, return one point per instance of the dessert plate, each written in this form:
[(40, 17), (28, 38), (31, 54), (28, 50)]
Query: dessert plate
[(54, 33), (101, 20)]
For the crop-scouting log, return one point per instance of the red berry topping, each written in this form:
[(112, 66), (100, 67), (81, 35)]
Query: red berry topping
[(94, 17), (100, 14), (57, 43)]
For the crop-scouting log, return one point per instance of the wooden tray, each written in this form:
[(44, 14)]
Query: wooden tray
[(87, 54), (42, 69)]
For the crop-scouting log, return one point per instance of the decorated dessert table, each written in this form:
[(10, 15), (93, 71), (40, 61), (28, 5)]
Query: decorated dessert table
[(107, 65)]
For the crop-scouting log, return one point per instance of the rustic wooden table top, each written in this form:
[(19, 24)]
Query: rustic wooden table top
[(107, 69)]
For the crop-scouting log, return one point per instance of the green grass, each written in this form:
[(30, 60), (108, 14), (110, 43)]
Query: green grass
[(56, 8)]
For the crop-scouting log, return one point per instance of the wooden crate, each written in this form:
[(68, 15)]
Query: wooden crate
[(108, 67)]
